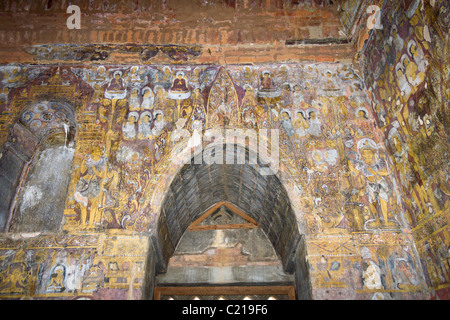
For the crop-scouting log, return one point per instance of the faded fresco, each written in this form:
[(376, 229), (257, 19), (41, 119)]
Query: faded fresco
[(93, 123), (126, 122), (406, 69)]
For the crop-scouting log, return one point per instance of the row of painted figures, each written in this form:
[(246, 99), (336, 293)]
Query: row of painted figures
[(380, 270)]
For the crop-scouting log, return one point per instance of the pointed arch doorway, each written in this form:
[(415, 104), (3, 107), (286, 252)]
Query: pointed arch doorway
[(226, 232)]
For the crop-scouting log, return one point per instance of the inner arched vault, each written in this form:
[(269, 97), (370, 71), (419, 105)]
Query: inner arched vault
[(197, 188)]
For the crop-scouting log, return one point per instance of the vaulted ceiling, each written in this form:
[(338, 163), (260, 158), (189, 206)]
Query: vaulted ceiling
[(199, 187)]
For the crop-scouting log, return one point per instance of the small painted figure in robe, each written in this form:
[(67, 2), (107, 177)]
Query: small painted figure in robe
[(161, 97), (314, 124), (266, 81), (56, 280), (179, 84), (116, 84), (134, 75), (199, 113), (286, 123), (144, 126), (158, 123), (134, 101), (300, 125), (148, 99), (298, 96), (99, 77), (129, 128), (248, 118)]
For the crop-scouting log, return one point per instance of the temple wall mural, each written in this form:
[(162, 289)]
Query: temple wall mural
[(407, 73), (127, 120), (93, 146)]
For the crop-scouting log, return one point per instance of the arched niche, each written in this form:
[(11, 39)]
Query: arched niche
[(35, 168), (197, 188)]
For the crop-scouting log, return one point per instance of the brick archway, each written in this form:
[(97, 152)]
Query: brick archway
[(196, 188)]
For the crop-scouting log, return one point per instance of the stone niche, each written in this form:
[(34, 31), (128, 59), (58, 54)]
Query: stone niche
[(48, 178)]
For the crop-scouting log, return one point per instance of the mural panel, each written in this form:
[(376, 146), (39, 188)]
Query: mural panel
[(406, 68), (130, 119)]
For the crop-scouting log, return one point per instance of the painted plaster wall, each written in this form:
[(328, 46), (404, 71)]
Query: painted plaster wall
[(333, 163), (406, 69), (42, 197)]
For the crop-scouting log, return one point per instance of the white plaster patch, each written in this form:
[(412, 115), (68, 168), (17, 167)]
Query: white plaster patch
[(31, 197), (126, 154)]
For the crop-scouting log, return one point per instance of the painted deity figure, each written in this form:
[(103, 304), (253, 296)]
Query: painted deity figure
[(286, 123), (144, 126), (284, 72), (179, 83), (148, 99), (372, 276), (417, 55), (298, 96), (92, 278), (266, 81), (134, 76), (56, 280), (412, 73), (195, 78), (199, 112), (374, 171), (129, 127), (134, 101), (300, 124), (248, 74), (249, 100), (161, 97), (116, 83), (371, 271), (99, 77), (161, 144), (248, 107), (315, 127), (402, 81), (167, 75), (330, 81), (180, 133), (319, 163), (222, 116), (403, 270), (87, 190), (15, 281), (158, 123), (248, 118)]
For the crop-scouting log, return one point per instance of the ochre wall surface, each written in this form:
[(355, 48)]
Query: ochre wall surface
[(374, 219), (330, 151), (406, 69)]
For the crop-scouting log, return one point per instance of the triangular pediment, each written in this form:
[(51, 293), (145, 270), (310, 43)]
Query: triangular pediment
[(223, 215)]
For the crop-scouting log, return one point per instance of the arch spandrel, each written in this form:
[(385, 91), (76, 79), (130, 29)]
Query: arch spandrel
[(266, 195), (223, 102), (283, 174)]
